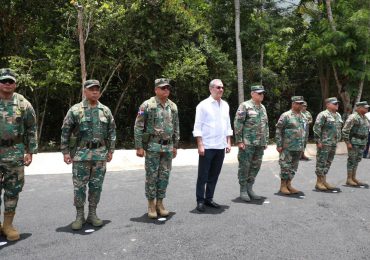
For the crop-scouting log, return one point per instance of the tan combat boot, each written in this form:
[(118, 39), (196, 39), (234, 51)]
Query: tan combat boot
[(80, 219), (350, 182), (160, 208), (356, 180), (290, 187), (92, 218), (8, 230), (327, 185), (320, 183), (283, 187), (152, 213)]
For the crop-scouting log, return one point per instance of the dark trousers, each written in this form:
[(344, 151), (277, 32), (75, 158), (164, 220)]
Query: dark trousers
[(209, 169), (366, 151)]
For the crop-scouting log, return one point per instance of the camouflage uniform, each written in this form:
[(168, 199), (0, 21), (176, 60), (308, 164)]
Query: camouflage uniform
[(290, 135), (18, 130), (355, 131), (95, 132), (309, 121), (327, 131), (251, 128), (157, 131)]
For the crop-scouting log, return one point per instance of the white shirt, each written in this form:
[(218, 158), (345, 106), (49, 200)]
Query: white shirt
[(367, 115), (212, 123)]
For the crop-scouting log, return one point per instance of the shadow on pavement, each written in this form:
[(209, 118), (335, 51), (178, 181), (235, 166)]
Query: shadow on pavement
[(299, 195), (210, 210), (5, 243), (87, 228), (335, 190), (254, 202), (144, 219), (365, 186)]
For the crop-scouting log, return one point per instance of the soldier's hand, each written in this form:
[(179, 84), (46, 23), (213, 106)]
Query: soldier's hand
[(279, 149), (140, 152), (27, 159), (67, 158), (319, 145), (109, 156), (241, 145), (174, 152), (349, 146)]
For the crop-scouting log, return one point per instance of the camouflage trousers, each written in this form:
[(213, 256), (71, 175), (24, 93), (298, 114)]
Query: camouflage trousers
[(158, 166), (324, 158), (89, 173), (250, 160), (288, 161), (11, 181), (354, 156)]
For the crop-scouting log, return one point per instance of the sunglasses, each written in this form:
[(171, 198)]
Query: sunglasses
[(219, 87), (165, 87), (7, 81)]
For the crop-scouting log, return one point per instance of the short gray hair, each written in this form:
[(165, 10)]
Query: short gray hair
[(215, 82)]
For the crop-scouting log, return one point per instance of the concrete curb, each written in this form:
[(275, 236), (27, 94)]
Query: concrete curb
[(52, 163)]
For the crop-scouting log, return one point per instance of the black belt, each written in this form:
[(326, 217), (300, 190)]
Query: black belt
[(10, 142), (359, 136), (93, 145), (164, 142)]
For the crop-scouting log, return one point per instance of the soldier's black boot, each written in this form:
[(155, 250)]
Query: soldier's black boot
[(80, 219), (92, 218), (244, 193), (251, 193)]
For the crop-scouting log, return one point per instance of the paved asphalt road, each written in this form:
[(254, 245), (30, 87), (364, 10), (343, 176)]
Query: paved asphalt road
[(318, 226)]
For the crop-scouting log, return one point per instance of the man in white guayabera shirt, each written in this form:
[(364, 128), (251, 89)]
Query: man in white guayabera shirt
[(212, 130)]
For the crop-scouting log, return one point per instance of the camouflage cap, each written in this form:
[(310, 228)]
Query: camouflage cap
[(162, 82), (257, 89), (91, 82), (362, 104), (7, 73), (297, 99), (332, 100)]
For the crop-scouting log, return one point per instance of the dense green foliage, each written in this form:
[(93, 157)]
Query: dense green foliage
[(290, 49)]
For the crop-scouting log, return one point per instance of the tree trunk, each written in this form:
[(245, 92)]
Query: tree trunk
[(82, 43), (262, 54), (324, 76), (239, 62), (43, 115), (361, 85)]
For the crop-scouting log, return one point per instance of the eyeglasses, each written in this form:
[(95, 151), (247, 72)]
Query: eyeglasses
[(7, 81), (165, 87), (219, 87)]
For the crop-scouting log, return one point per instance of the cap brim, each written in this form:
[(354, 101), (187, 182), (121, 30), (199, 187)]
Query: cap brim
[(161, 85), (8, 77), (299, 102), (259, 91), (92, 85)]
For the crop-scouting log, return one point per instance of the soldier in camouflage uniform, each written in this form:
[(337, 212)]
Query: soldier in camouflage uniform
[(309, 120), (157, 136), (327, 132), (251, 135), (290, 137), (17, 145), (91, 125), (355, 133)]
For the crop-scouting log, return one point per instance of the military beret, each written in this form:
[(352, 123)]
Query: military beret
[(332, 100), (297, 99), (162, 82), (91, 82), (258, 88), (7, 73), (362, 104)]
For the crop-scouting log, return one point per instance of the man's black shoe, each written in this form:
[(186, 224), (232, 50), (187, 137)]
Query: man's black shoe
[(200, 207), (212, 204)]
